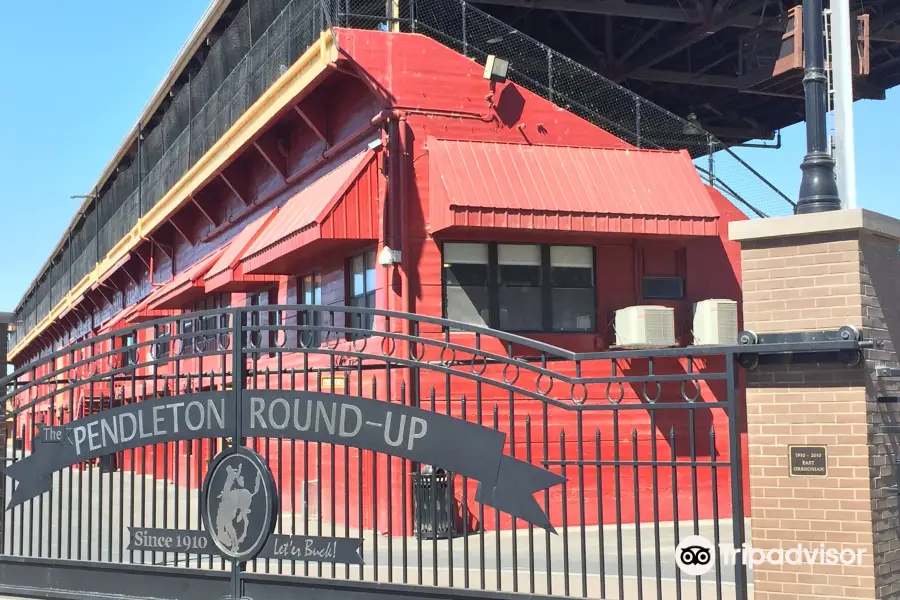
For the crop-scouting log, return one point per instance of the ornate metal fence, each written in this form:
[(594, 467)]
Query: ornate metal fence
[(603, 462)]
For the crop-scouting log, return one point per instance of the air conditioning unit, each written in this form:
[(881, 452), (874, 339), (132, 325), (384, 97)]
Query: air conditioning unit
[(715, 323), (645, 326)]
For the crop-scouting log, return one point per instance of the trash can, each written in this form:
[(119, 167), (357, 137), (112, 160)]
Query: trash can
[(433, 504), (108, 463)]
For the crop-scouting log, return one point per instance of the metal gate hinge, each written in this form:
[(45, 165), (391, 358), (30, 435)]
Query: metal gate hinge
[(887, 372)]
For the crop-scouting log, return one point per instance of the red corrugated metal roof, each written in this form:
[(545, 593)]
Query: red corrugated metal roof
[(341, 205), (186, 286), (482, 184), (226, 275)]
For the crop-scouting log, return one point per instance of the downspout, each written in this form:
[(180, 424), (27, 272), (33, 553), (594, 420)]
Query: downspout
[(150, 264), (402, 205), (403, 196)]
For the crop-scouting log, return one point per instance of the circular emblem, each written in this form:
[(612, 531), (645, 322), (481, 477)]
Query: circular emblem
[(239, 503), (695, 555)]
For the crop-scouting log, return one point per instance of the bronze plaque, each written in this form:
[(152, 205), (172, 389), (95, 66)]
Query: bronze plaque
[(808, 460)]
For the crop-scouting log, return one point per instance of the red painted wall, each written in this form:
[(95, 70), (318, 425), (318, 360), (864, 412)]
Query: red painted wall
[(444, 95)]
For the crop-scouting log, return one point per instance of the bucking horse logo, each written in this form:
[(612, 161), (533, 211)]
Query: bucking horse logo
[(234, 506)]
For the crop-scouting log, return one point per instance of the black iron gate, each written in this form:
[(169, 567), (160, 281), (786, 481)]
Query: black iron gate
[(537, 470)]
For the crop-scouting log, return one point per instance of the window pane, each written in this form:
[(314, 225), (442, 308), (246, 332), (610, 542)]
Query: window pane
[(571, 266), (307, 291), (518, 254), (458, 252), (466, 274), (519, 264), (468, 305), (573, 309), (571, 277), (465, 264), (520, 275), (370, 277), (358, 269), (571, 256), (662, 288), (520, 308)]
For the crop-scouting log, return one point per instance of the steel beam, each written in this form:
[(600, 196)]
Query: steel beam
[(718, 20), (633, 10)]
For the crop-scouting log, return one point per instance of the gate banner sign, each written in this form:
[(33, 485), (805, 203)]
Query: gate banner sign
[(183, 541), (423, 436), (284, 547)]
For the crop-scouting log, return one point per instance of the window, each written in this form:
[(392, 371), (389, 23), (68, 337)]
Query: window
[(519, 280), (466, 276), (213, 322), (310, 293), (662, 288), (161, 346), (204, 343), (265, 338), (129, 354), (520, 287), (362, 288), (572, 288)]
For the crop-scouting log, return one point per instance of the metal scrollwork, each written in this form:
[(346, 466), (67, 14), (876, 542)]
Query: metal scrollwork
[(656, 396), (388, 345), (581, 398), (537, 384), (684, 395), (332, 335), (254, 339), (412, 353), (475, 361), (356, 348), (451, 360), (506, 378), (280, 338), (621, 392), (223, 345)]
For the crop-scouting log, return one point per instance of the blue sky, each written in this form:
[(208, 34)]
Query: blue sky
[(80, 73)]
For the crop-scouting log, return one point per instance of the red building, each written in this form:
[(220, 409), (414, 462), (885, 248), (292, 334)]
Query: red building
[(508, 212)]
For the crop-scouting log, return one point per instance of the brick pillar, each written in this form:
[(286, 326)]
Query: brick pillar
[(820, 272)]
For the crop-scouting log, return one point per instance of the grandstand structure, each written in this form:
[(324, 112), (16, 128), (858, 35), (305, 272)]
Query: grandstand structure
[(615, 65)]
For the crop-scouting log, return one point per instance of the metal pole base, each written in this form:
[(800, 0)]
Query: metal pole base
[(818, 188)]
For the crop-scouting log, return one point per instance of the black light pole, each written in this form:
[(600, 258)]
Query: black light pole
[(818, 188), (5, 320)]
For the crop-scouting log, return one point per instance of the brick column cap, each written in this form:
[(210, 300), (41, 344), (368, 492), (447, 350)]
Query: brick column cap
[(827, 222)]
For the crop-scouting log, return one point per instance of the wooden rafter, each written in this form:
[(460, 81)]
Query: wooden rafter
[(272, 156), (174, 224), (234, 189), (203, 212), (318, 129)]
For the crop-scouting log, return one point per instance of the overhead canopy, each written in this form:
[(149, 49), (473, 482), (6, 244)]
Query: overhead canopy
[(139, 313), (227, 274), (561, 188), (337, 211), (186, 287)]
